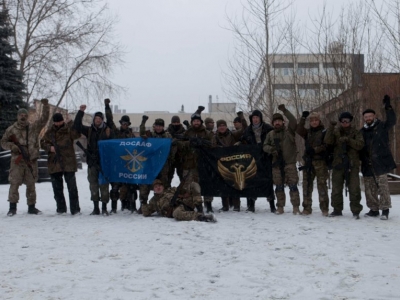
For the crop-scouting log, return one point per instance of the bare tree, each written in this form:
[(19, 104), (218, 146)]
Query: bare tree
[(259, 34), (65, 47)]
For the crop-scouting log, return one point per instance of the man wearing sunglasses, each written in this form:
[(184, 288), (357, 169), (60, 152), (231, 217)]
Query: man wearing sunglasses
[(347, 142)]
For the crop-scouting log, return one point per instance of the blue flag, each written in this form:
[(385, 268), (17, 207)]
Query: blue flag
[(135, 160)]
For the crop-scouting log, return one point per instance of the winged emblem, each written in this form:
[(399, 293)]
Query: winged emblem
[(133, 160), (239, 173)]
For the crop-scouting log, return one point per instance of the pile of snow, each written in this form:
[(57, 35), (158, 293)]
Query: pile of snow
[(243, 256)]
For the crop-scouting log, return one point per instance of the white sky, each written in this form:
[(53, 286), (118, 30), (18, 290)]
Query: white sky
[(177, 49)]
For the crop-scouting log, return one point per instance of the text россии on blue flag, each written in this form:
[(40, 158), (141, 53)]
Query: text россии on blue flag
[(135, 160)]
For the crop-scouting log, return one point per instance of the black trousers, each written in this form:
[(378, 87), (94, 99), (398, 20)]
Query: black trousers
[(58, 189)]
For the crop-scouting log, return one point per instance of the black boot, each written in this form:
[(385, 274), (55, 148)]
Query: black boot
[(231, 202), (209, 207), (113, 207), (13, 209), (372, 213), (336, 213), (236, 204), (251, 203), (199, 208), (385, 214), (104, 211), (272, 206), (32, 210), (225, 204), (96, 209), (207, 218)]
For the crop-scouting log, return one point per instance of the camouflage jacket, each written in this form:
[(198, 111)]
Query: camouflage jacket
[(286, 136), (190, 153), (27, 136), (119, 133), (314, 138), (160, 203), (62, 139), (354, 145)]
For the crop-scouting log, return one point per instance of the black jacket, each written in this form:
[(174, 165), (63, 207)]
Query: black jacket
[(376, 156)]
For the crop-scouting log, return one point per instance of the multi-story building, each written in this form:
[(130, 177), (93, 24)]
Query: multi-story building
[(303, 81)]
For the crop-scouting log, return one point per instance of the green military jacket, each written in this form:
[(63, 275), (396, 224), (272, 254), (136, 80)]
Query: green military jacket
[(354, 145)]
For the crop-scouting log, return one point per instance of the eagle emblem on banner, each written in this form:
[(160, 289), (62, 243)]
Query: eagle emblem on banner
[(238, 173)]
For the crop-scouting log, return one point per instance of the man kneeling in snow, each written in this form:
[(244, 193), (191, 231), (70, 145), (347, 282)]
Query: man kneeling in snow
[(174, 203)]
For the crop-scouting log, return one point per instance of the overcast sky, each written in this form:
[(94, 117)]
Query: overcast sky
[(177, 49)]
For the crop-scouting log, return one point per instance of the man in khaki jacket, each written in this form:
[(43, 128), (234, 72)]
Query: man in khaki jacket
[(22, 138)]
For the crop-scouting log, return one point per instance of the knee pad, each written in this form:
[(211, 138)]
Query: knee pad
[(279, 188), (293, 188)]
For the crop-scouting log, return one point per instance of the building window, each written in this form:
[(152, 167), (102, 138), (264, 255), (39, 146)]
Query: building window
[(282, 93), (300, 71)]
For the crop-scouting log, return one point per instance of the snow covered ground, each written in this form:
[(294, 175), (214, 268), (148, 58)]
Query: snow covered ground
[(243, 256)]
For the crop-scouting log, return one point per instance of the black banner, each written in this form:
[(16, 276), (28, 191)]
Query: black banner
[(237, 171)]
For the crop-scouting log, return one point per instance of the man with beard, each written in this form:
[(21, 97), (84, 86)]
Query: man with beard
[(192, 139), (124, 191), (158, 132), (226, 138), (58, 143), (177, 204), (97, 131), (256, 134), (315, 163), (281, 144), (377, 160), (23, 136), (347, 142), (175, 129), (209, 123)]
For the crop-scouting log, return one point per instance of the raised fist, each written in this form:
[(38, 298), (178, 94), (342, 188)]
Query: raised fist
[(186, 123), (200, 108), (281, 107), (386, 101), (305, 114), (82, 107), (144, 118), (240, 114), (45, 101), (107, 101)]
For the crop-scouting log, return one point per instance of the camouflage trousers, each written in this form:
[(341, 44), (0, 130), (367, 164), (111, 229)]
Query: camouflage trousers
[(192, 175), (21, 174), (181, 214), (291, 178), (338, 181), (377, 199), (98, 192), (320, 171)]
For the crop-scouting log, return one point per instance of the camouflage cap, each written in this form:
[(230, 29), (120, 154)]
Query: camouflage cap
[(157, 181), (159, 122), (277, 116), (208, 120), (22, 111)]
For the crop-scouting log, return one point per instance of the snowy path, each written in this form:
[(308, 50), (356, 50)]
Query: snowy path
[(243, 256)]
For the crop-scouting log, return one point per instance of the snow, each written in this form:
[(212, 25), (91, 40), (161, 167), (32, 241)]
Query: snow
[(243, 256)]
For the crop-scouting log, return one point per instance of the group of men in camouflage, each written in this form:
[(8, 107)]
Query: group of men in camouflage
[(340, 147)]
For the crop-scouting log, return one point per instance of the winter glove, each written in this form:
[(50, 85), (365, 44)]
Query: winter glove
[(15, 149), (200, 109), (186, 123), (305, 114), (45, 101), (344, 139), (107, 102), (144, 118), (240, 114), (282, 107), (386, 101)]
